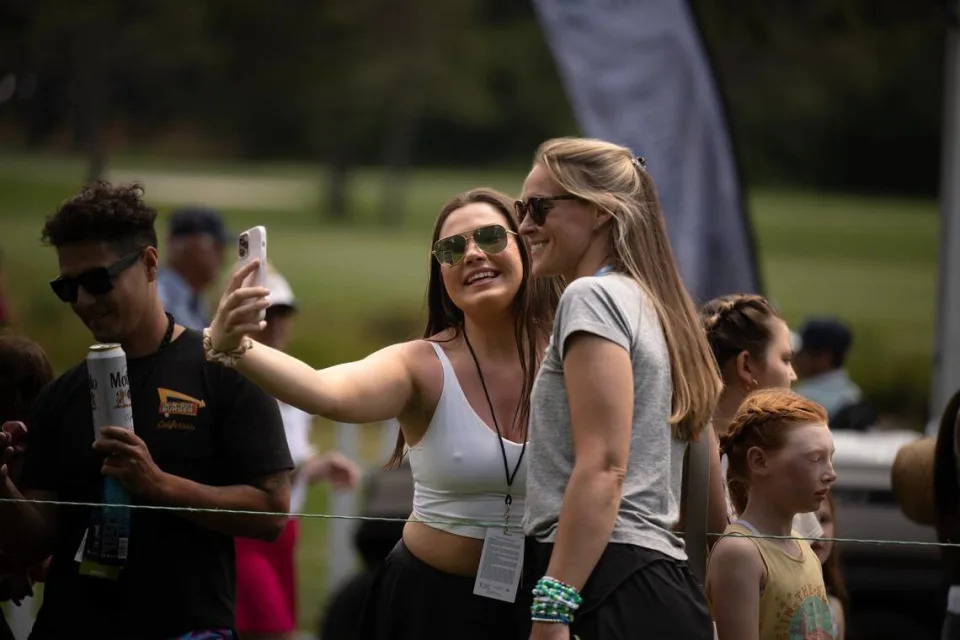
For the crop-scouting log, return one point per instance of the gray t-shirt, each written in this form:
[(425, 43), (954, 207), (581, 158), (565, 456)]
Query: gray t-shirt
[(616, 308)]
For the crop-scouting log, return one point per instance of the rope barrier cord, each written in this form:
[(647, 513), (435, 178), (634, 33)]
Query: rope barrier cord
[(475, 523)]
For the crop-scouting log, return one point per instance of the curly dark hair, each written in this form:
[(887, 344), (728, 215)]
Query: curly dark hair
[(102, 212)]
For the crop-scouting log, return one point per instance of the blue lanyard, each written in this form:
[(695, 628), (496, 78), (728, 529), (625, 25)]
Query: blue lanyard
[(603, 271)]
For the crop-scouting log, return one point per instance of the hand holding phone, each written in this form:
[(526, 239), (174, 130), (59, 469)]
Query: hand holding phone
[(253, 246)]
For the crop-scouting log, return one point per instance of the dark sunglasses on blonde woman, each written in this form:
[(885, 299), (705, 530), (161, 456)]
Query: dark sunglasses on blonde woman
[(538, 207), (491, 239)]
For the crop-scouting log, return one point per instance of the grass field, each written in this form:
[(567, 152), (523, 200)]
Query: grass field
[(871, 261)]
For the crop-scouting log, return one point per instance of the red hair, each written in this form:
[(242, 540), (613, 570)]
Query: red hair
[(760, 422)]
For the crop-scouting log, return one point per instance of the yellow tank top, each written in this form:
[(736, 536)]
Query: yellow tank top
[(793, 600)]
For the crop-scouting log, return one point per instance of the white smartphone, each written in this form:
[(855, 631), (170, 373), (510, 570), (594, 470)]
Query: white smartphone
[(253, 246)]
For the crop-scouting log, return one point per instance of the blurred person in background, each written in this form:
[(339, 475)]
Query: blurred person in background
[(823, 347), (196, 239), (266, 571), (204, 437), (829, 556), (925, 479), (751, 343), (461, 396), (946, 484), (24, 371), (387, 500)]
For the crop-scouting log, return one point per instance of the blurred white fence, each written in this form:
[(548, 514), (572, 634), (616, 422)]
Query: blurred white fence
[(343, 560)]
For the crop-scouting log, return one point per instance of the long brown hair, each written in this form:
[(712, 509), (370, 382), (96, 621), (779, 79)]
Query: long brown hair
[(737, 323), (762, 421), (24, 370), (832, 575), (533, 306), (609, 177)]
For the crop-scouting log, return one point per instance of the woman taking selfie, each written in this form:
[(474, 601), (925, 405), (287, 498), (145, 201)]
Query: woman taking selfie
[(461, 397)]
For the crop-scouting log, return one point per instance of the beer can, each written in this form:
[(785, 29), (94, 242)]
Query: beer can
[(109, 387), (108, 539)]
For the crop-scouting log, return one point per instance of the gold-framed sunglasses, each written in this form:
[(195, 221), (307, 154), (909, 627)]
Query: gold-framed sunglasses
[(491, 239)]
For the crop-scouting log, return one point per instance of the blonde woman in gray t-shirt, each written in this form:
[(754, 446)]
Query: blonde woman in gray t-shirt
[(627, 382)]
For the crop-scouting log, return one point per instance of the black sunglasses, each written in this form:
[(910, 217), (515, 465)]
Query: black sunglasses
[(96, 281), (538, 207), (491, 239)]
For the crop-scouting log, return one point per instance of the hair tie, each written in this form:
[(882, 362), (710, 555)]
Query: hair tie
[(640, 162), (723, 310)]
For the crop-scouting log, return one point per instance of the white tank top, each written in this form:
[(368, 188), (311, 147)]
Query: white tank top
[(458, 469)]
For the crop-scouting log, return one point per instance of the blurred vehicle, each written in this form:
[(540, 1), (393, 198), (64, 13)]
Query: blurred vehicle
[(896, 591)]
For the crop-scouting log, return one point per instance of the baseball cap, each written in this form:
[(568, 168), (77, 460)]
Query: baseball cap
[(194, 220), (825, 334), (281, 295)]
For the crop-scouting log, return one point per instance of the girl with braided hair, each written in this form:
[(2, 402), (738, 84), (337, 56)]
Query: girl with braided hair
[(750, 341), (762, 583), (751, 344)]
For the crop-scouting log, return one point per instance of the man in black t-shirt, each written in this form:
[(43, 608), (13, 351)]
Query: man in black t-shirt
[(204, 437)]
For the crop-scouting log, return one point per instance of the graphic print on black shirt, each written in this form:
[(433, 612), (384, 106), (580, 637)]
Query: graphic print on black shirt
[(200, 421)]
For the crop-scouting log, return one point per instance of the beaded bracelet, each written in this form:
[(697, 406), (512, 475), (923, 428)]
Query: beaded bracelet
[(554, 601), (545, 613)]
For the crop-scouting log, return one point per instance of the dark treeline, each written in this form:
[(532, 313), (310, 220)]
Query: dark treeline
[(828, 93)]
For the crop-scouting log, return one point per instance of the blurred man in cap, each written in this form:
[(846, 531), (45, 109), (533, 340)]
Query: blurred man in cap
[(196, 238), (821, 351)]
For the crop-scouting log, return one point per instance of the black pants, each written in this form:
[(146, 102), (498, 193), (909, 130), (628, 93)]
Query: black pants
[(5, 633), (951, 627), (635, 593), (411, 600)]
